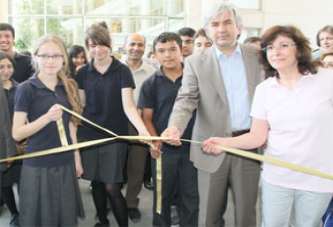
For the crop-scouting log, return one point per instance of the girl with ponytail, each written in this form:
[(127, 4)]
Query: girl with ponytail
[(49, 192)]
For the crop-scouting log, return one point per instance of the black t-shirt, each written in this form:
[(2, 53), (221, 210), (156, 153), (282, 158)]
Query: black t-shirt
[(34, 98), (159, 93), (23, 67), (103, 98), (10, 94)]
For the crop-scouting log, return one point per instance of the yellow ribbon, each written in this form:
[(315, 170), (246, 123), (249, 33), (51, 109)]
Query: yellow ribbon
[(159, 184), (272, 160), (241, 153), (62, 132), (57, 150)]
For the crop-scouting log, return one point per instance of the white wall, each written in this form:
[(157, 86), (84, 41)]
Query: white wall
[(3, 10), (308, 15)]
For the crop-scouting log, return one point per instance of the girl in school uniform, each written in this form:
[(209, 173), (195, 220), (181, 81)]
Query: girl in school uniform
[(12, 173), (49, 193), (106, 87)]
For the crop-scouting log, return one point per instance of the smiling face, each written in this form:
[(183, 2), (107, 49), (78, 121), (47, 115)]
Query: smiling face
[(49, 58), (6, 69), (135, 47), (281, 53), (6, 40), (79, 59), (223, 30), (326, 41), (98, 52)]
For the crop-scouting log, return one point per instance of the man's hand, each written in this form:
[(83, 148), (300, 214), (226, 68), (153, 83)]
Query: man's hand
[(173, 136)]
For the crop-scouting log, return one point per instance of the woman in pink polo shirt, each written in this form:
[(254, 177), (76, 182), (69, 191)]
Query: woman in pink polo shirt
[(292, 115)]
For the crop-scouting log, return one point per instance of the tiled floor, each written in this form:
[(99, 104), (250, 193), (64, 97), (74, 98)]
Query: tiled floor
[(145, 207)]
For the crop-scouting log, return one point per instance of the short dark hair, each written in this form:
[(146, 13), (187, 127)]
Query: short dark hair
[(4, 55), (99, 35), (303, 49), (167, 37), (186, 31), (327, 28), (201, 32), (252, 39), (7, 27)]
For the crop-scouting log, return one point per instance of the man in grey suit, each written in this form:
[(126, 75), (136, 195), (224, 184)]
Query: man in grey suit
[(219, 83)]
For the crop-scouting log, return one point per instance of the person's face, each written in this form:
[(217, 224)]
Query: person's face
[(168, 54), (79, 59), (201, 43), (187, 45), (98, 52), (328, 61), (326, 41), (223, 30), (6, 40), (6, 69), (135, 47), (281, 53), (50, 58)]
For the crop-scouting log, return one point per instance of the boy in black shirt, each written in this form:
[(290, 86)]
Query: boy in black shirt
[(157, 97), (23, 66)]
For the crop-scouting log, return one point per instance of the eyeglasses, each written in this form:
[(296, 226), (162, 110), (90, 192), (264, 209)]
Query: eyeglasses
[(280, 46), (52, 57)]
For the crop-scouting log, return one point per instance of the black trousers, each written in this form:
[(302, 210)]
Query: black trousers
[(177, 172)]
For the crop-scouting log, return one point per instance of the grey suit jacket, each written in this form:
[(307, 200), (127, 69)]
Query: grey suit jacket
[(7, 145), (203, 89)]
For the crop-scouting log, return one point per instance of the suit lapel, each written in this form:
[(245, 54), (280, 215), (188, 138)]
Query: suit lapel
[(210, 66), (249, 71)]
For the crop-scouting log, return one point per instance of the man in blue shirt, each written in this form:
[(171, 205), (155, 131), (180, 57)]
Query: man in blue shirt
[(219, 84)]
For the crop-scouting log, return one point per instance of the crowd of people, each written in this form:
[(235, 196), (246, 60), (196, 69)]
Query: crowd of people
[(271, 93)]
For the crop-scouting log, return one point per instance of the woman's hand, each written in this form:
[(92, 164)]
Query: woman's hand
[(211, 145), (54, 113), (155, 150), (78, 164)]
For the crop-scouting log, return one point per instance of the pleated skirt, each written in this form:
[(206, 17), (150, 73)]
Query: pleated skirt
[(104, 163), (49, 197)]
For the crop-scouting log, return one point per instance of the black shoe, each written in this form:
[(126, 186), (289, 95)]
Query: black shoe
[(102, 224), (134, 214), (174, 215), (148, 185), (14, 221)]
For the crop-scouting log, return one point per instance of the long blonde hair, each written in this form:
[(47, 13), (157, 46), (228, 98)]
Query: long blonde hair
[(70, 85)]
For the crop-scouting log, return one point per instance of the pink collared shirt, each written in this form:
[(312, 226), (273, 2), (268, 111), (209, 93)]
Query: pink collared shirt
[(301, 129)]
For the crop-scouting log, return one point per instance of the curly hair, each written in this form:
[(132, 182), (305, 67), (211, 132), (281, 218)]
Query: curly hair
[(305, 64)]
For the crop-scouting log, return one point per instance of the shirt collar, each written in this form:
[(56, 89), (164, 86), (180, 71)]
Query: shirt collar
[(35, 81), (220, 54), (273, 81)]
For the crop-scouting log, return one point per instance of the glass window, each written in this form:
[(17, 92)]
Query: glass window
[(19, 7), (70, 18), (27, 31), (65, 7)]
